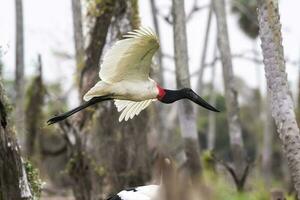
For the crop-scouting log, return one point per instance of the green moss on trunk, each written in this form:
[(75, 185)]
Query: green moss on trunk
[(135, 15)]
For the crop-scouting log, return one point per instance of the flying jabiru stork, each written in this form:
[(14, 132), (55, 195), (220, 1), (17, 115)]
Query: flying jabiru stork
[(125, 79)]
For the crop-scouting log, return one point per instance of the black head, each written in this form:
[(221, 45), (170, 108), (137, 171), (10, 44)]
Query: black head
[(171, 96)]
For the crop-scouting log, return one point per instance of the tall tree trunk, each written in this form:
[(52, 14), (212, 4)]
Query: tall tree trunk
[(98, 33), (159, 70), (280, 96), (298, 97), (212, 115), (78, 33), (1, 63), (187, 118), (33, 111), (163, 135), (19, 72), (127, 140), (13, 179), (81, 168), (232, 107), (204, 51), (267, 143)]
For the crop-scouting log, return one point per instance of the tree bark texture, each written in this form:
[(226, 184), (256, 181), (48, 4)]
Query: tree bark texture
[(231, 99), (211, 138), (33, 111), (81, 168), (280, 96), (298, 97), (127, 141), (19, 71), (93, 52), (204, 51), (89, 74), (267, 143), (163, 135), (158, 72), (78, 33), (187, 118), (13, 178)]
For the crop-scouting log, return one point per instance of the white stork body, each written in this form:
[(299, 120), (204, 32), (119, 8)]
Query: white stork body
[(124, 73), (124, 78), (148, 192), (125, 90), (152, 192)]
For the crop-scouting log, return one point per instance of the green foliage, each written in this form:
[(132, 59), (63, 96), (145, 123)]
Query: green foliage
[(223, 188), (208, 161), (55, 90), (247, 16), (97, 8), (252, 126), (135, 17), (34, 96), (36, 183)]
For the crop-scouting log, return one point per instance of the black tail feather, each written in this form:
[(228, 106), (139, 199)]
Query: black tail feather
[(65, 115)]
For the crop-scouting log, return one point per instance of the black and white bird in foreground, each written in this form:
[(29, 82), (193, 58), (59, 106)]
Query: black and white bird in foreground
[(152, 192), (148, 192), (125, 79)]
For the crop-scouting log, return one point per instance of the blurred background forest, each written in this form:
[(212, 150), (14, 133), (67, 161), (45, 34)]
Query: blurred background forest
[(50, 54)]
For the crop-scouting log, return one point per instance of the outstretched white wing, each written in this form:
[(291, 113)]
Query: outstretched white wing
[(130, 58), (131, 108)]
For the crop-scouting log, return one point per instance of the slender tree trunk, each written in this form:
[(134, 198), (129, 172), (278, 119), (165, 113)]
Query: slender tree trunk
[(212, 115), (232, 107), (211, 137), (159, 70), (298, 97), (280, 96), (13, 179), (187, 118), (128, 141), (19, 72), (33, 111), (81, 169), (204, 51), (98, 33), (163, 134), (267, 143), (78, 33), (1, 63)]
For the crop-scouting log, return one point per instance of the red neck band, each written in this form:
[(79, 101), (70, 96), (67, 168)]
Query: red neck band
[(161, 92)]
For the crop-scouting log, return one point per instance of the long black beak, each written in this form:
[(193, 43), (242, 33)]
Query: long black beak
[(77, 109), (191, 95)]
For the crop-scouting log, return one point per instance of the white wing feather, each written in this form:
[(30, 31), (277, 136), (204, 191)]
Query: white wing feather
[(130, 58), (131, 108)]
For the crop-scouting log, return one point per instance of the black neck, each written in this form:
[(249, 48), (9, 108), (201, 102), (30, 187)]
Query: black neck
[(173, 95), (65, 115), (185, 93)]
